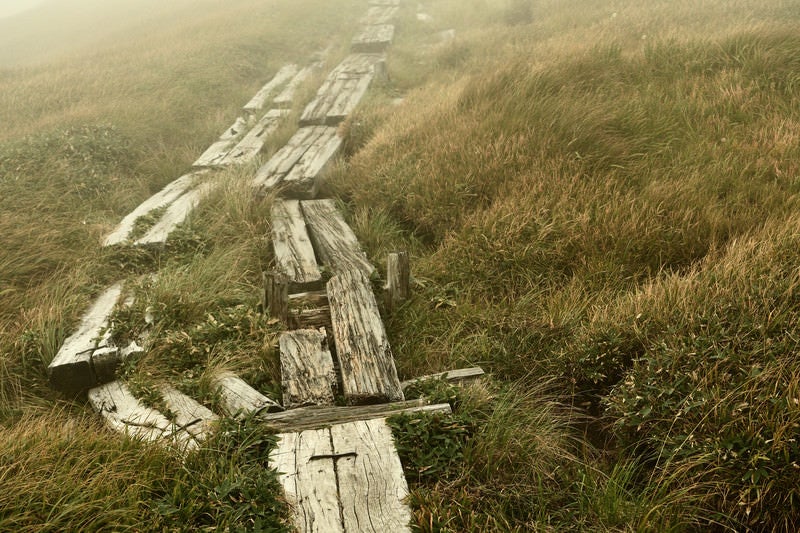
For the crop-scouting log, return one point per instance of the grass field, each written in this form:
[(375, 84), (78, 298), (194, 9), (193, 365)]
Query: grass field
[(600, 199)]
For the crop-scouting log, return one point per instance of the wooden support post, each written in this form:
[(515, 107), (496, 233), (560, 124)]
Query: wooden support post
[(276, 295), (398, 279)]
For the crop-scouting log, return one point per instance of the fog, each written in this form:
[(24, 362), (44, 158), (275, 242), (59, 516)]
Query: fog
[(13, 7)]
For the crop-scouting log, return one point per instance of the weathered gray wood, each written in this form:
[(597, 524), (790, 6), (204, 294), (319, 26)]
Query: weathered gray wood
[(372, 486), (285, 99), (380, 15), (166, 196), (304, 418), (252, 143), (303, 180), (310, 318), (334, 241), (306, 465), (362, 347), (239, 399), (217, 152), (309, 299), (294, 255), (276, 291), (190, 416), (307, 371), (398, 278), (453, 376), (373, 38), (177, 213), (262, 96), (124, 413), (71, 368)]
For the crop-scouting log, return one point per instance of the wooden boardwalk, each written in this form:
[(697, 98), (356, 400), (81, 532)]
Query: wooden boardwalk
[(338, 465)]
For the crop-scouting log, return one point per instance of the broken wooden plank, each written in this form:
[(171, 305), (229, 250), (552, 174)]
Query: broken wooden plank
[(362, 347), (239, 399), (334, 241), (307, 471), (372, 39), (276, 295), (294, 255), (217, 152), (367, 457), (303, 181), (189, 415), (310, 318), (380, 15), (261, 98), (122, 412), (453, 376), (71, 368), (309, 299), (285, 98), (166, 196), (177, 213), (274, 170), (304, 418), (252, 143), (398, 279), (307, 373)]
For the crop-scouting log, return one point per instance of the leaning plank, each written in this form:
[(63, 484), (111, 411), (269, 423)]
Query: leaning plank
[(216, 153), (177, 213), (373, 38), (162, 198), (271, 174), (252, 143), (306, 469), (294, 255), (124, 413), (262, 96), (190, 416), (307, 372), (334, 241), (71, 369), (285, 99), (319, 417), (368, 458), (239, 399), (303, 180), (362, 347), (453, 376), (379, 15)]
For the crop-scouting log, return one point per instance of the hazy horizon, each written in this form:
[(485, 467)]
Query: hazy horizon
[(10, 8)]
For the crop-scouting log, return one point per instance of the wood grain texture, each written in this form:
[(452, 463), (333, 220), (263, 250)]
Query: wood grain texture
[(261, 98), (164, 197), (307, 373), (398, 279), (177, 213), (453, 376), (239, 399), (215, 155), (334, 242), (372, 485), (190, 416), (285, 98), (294, 255), (307, 473), (71, 368), (373, 38), (365, 359), (122, 412), (271, 174), (318, 417), (303, 181), (251, 144)]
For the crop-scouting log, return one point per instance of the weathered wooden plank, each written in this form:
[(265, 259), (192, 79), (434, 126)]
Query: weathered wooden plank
[(310, 318), (380, 15), (303, 180), (273, 171), (362, 347), (453, 376), (276, 295), (304, 418), (309, 299), (166, 196), (307, 371), (294, 255), (124, 413), (71, 368), (190, 416), (334, 241), (252, 143), (398, 278), (262, 96), (285, 98), (177, 213), (306, 465), (368, 459), (239, 399), (373, 38), (216, 153)]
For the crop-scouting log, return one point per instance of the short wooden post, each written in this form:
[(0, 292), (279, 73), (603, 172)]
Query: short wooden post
[(398, 278), (276, 295)]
